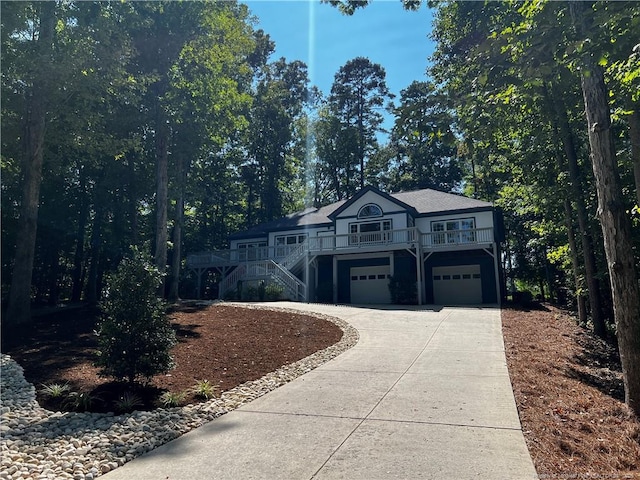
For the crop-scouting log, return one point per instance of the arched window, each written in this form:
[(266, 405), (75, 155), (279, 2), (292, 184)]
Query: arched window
[(370, 210)]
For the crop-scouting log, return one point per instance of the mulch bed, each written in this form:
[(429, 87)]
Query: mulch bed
[(570, 396), (226, 345)]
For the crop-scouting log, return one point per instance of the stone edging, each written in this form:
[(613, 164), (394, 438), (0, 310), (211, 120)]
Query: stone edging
[(38, 443)]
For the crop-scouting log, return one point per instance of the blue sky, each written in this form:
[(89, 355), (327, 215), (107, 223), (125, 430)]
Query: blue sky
[(325, 39)]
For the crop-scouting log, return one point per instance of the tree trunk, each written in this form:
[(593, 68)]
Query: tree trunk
[(176, 258), (588, 253), (162, 195), (616, 225), (92, 293), (78, 257), (634, 136), (575, 263), (19, 310)]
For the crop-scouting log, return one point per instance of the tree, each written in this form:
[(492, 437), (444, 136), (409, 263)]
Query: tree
[(44, 19), (358, 92), (423, 137), (337, 157), (616, 225), (135, 335), (281, 94)]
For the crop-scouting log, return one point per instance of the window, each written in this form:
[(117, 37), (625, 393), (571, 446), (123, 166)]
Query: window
[(370, 210), (370, 232), (252, 251), (286, 243), (457, 231)]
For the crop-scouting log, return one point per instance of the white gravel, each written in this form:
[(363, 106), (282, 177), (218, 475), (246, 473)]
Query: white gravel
[(40, 444)]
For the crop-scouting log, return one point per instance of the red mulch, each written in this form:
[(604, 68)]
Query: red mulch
[(226, 345), (570, 396)]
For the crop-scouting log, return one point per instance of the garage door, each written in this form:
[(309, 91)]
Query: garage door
[(460, 285), (370, 284)]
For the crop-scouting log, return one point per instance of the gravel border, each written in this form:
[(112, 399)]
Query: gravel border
[(37, 443)]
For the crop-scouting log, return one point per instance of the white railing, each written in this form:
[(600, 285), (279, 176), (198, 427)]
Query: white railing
[(295, 255), (444, 240), (333, 243), (290, 255), (231, 280), (275, 271)]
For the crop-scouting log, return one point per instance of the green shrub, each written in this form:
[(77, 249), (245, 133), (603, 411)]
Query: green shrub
[(204, 389), (249, 293), (134, 335), (128, 402), (55, 390), (403, 291), (171, 399), (82, 401), (273, 292)]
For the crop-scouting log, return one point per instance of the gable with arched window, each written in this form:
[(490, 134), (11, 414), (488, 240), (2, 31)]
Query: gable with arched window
[(370, 210)]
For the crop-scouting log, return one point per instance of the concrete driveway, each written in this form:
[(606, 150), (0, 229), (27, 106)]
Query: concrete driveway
[(424, 394)]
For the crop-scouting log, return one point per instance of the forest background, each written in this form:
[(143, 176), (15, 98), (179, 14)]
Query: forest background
[(168, 125)]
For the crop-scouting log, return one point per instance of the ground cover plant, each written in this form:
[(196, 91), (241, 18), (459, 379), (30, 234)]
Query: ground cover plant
[(567, 383)]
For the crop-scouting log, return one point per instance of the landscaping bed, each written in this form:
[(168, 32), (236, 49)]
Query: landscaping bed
[(223, 344), (570, 396)]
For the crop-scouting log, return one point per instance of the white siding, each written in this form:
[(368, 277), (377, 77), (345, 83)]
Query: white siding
[(370, 197)]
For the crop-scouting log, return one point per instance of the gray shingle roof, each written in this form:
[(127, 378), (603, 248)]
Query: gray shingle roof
[(426, 202), (429, 201)]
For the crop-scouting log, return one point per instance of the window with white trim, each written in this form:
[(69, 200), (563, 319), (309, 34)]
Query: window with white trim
[(285, 243), (370, 210), (460, 230), (252, 251), (370, 232)]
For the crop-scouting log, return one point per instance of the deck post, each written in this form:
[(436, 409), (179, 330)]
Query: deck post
[(419, 271), (306, 276), (334, 288), (496, 269)]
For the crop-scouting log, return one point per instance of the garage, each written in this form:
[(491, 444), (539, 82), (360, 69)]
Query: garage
[(458, 285), (370, 285)]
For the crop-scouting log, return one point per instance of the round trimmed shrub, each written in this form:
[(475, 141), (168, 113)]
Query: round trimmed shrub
[(134, 335)]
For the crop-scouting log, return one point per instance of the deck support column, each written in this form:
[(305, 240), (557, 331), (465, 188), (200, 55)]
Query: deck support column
[(335, 279), (496, 269), (419, 268), (306, 276)]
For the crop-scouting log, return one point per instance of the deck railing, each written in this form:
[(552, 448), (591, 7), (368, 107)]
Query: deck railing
[(333, 243), (456, 238), (289, 255)]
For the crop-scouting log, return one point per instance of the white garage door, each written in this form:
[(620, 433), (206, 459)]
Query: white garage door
[(460, 285), (370, 284)]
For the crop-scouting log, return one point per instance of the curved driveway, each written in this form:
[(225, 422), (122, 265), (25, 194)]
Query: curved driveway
[(424, 394)]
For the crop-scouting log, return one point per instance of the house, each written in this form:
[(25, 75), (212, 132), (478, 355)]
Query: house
[(445, 246)]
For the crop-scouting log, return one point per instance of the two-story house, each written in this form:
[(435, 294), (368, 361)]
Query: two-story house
[(448, 245)]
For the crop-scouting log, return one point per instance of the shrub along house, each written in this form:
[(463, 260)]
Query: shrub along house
[(436, 248)]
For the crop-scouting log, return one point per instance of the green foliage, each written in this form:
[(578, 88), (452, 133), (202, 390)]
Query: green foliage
[(55, 390), (128, 402), (134, 336), (82, 401), (171, 399), (204, 389), (249, 293), (273, 292), (403, 290)]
